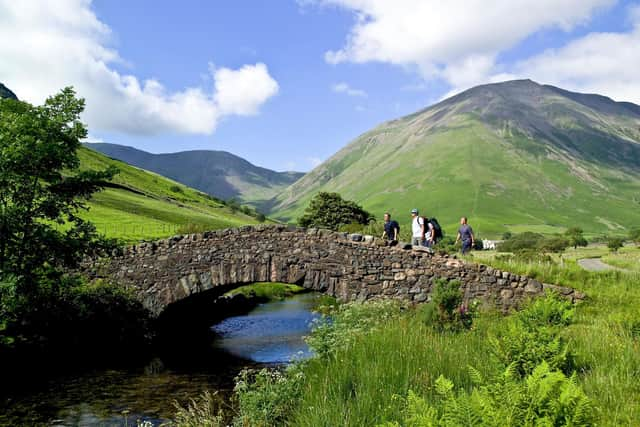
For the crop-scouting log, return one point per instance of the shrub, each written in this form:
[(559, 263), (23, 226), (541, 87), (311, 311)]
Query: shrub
[(330, 210), (555, 244), (634, 236), (552, 310), (524, 349), (341, 324), (204, 411), (521, 241), (176, 189), (545, 398), (266, 397), (69, 315), (261, 217), (532, 337), (532, 256), (615, 243), (447, 311)]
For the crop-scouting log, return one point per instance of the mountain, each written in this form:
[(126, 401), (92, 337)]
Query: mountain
[(5, 92), (138, 204), (218, 173), (514, 156)]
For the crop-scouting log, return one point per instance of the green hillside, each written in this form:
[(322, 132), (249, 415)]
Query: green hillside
[(143, 205), (512, 156), (218, 173)]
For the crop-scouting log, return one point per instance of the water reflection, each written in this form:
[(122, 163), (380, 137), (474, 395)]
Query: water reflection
[(272, 333)]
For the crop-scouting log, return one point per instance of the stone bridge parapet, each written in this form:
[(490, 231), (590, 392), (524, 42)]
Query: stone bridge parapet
[(348, 267)]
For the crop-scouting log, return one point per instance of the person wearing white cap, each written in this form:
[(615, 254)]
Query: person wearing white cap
[(417, 228)]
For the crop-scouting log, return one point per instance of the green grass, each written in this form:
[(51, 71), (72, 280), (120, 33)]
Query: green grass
[(147, 206), (268, 291), (627, 258), (363, 382), (469, 169)]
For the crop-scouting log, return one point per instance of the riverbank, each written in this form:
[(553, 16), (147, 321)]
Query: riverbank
[(147, 389), (392, 368)]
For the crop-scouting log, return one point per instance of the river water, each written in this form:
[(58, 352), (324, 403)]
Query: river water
[(268, 335)]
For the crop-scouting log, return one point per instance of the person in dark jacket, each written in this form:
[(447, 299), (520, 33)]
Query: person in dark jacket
[(391, 228)]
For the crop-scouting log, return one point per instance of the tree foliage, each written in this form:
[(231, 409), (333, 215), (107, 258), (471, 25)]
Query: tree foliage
[(615, 243), (576, 237), (330, 210), (41, 189), (634, 236)]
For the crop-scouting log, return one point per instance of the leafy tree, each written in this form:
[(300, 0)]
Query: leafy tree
[(330, 210), (507, 235), (526, 240), (615, 243), (41, 189), (233, 205), (576, 238), (554, 244), (634, 236)]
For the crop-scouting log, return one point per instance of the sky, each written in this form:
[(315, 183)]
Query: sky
[(287, 83)]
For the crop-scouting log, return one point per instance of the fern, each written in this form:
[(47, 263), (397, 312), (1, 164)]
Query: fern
[(546, 397)]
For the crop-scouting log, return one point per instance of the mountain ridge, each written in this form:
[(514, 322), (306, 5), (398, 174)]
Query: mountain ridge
[(5, 92), (518, 153), (218, 173)]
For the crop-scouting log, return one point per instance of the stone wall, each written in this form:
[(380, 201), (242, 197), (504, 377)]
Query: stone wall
[(349, 267)]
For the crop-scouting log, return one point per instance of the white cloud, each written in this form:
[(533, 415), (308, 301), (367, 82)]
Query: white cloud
[(92, 139), (314, 161), (348, 90), (46, 45), (457, 41), (605, 63)]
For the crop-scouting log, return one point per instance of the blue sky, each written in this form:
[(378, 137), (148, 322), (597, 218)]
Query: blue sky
[(286, 83)]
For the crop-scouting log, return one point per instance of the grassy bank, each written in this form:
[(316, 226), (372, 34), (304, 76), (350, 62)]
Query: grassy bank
[(268, 291), (364, 383), (385, 366)]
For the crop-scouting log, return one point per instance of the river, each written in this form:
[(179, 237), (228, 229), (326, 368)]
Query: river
[(270, 334)]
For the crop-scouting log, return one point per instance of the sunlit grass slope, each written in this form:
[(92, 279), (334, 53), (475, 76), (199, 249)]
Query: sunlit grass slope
[(514, 156), (144, 205)]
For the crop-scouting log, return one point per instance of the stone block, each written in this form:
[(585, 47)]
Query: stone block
[(533, 287), (400, 276)]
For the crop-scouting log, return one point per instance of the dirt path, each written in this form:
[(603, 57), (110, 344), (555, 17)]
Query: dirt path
[(595, 264)]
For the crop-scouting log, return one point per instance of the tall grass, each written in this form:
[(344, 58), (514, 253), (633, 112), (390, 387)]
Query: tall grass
[(377, 357), (602, 334), (362, 383)]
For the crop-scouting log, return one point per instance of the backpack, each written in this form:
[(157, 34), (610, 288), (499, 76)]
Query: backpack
[(437, 230)]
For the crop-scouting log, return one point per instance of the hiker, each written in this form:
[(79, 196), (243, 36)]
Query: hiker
[(422, 230), (465, 233), (391, 228)]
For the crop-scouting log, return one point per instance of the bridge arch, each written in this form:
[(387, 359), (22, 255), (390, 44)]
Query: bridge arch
[(348, 267)]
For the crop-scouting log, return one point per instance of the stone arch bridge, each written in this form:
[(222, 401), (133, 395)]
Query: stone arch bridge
[(348, 267)]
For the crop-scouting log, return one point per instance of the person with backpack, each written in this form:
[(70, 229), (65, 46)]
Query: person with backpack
[(435, 231), (465, 233), (391, 228)]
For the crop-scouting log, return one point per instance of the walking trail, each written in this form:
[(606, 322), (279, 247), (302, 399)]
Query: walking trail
[(595, 264)]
